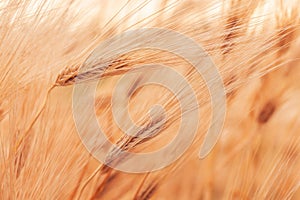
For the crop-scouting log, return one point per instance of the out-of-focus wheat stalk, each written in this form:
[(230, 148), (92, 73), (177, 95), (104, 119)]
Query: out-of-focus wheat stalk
[(254, 44)]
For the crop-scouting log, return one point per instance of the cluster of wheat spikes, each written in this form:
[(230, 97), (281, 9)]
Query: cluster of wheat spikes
[(253, 43)]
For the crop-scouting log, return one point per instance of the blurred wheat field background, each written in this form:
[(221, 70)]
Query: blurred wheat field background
[(255, 46)]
